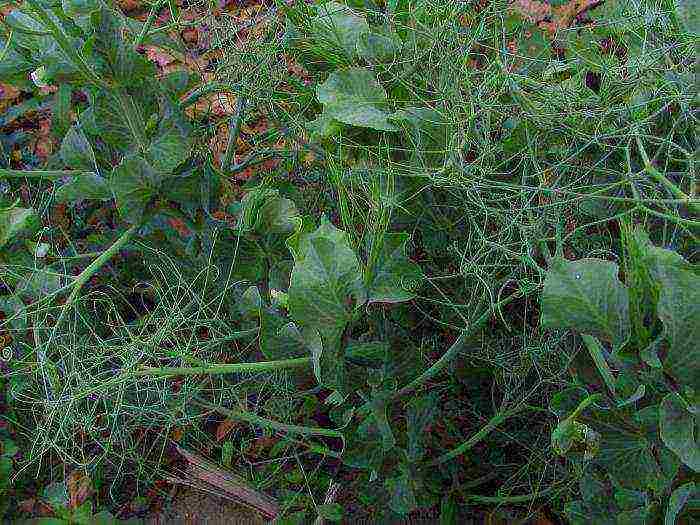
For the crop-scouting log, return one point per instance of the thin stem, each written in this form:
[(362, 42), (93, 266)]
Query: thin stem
[(224, 368), (148, 23), (88, 272), (525, 498), (270, 424), (453, 351), (233, 132), (214, 369), (41, 174), (496, 420), (206, 89), (661, 178)]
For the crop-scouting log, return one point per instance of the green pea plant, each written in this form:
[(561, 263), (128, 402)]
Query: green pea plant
[(630, 419)]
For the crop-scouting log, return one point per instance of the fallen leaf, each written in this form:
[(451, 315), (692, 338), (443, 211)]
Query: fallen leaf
[(79, 487), (159, 56), (224, 429)]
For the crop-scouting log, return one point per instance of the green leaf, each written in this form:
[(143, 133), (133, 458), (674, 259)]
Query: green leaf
[(325, 289), (355, 97), (371, 354), (586, 295), (39, 283), (677, 501), (275, 342), (172, 144), (680, 430), (374, 47), (677, 307), (633, 461), (264, 211), (76, 152), (393, 277), (325, 285), (401, 490), (324, 126), (330, 511), (119, 120), (15, 312), (421, 413), (17, 222), (427, 134), (689, 16), (134, 183), (85, 186), (74, 8), (337, 28), (119, 61)]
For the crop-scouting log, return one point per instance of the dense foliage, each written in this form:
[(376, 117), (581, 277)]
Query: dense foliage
[(456, 274)]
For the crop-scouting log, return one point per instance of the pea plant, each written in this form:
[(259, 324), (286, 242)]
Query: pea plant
[(632, 427)]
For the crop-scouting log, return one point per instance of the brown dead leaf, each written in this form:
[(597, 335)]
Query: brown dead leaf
[(128, 5), (159, 56), (79, 487), (224, 429), (214, 104), (179, 226), (43, 140), (549, 18)]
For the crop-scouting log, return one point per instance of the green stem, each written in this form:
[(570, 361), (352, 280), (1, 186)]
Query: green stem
[(525, 498), (496, 420), (596, 351), (661, 178), (66, 45), (224, 368), (215, 369), (41, 174), (272, 425), (148, 23), (206, 89), (233, 131), (453, 351), (98, 263)]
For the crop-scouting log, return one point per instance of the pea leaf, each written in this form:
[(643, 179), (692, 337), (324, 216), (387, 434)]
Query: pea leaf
[(677, 501), (330, 511), (378, 48), (17, 222), (15, 312), (633, 460), (119, 121), (76, 152), (679, 297), (172, 143), (421, 413), (116, 56), (325, 289), (84, 186), (393, 276), (427, 134), (354, 96), (586, 295), (338, 28), (680, 430), (402, 491), (133, 183), (325, 284)]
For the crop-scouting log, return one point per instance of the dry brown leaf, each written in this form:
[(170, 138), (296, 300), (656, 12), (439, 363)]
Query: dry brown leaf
[(159, 56), (79, 487), (224, 429)]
